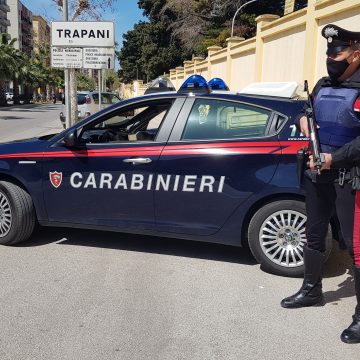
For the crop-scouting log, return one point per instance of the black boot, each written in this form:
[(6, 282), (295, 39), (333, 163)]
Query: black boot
[(351, 335), (310, 292)]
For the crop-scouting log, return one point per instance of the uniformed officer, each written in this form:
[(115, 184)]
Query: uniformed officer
[(334, 98), (350, 153)]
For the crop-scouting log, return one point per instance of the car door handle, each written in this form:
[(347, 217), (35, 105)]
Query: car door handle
[(138, 160)]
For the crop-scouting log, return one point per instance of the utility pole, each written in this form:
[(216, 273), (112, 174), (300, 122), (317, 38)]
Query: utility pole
[(66, 73), (99, 87)]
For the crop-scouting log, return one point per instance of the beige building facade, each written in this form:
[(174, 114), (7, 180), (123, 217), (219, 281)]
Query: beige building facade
[(41, 32), (289, 48)]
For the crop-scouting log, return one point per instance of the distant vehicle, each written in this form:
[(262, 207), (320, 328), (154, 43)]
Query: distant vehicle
[(9, 95), (23, 99), (88, 103)]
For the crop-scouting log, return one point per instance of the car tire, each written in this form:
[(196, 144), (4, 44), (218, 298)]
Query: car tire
[(17, 214), (276, 237)]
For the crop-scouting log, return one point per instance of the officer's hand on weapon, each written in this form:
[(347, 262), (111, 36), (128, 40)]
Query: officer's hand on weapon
[(304, 126), (325, 166), (328, 161)]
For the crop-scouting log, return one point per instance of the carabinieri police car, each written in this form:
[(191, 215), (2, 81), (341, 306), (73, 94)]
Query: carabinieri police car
[(198, 164)]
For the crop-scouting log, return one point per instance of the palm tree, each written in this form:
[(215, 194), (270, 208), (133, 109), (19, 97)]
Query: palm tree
[(41, 74), (9, 57), (26, 73), (21, 72)]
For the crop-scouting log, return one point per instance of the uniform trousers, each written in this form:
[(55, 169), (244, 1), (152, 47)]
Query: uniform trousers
[(323, 199), (356, 238)]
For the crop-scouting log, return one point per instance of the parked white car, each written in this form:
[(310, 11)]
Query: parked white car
[(88, 103)]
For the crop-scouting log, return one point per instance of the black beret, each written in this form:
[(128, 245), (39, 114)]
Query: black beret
[(338, 38)]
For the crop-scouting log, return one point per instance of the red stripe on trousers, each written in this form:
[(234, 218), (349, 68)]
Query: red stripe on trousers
[(356, 237)]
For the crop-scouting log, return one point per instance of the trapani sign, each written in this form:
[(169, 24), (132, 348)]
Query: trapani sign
[(68, 41), (82, 33), (94, 43)]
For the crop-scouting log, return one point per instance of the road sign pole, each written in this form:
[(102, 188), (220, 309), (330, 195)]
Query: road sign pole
[(103, 83), (66, 75), (99, 87)]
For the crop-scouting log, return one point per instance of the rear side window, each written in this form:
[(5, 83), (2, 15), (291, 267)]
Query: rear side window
[(218, 119), (106, 99), (81, 99)]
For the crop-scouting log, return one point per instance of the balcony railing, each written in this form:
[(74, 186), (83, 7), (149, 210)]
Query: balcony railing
[(4, 6), (5, 21)]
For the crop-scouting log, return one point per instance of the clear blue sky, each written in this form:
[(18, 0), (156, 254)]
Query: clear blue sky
[(126, 14)]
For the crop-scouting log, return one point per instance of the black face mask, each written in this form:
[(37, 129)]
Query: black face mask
[(336, 68)]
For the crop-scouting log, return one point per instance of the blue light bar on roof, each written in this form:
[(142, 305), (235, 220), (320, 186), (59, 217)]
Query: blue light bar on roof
[(195, 84), (218, 84)]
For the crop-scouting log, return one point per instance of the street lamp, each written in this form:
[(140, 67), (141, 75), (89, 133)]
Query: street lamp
[(233, 21)]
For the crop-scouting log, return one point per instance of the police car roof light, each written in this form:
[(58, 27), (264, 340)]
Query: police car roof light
[(279, 89), (195, 84), (218, 84)]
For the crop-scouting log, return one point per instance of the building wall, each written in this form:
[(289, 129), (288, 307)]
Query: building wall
[(289, 48), (21, 26), (41, 32), (243, 69), (14, 16), (4, 21)]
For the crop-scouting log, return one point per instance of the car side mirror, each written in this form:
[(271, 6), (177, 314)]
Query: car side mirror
[(71, 139)]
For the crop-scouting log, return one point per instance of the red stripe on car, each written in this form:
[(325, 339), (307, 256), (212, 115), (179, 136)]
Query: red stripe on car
[(258, 147)]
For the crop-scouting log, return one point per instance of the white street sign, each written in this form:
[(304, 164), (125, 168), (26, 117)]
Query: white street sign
[(99, 58), (82, 33), (66, 57)]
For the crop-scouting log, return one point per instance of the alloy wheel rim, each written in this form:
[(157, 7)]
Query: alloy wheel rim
[(5, 215), (282, 238)]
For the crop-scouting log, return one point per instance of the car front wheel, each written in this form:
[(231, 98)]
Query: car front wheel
[(277, 237), (17, 214)]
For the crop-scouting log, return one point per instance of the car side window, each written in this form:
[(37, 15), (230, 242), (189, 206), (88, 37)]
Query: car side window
[(219, 119), (81, 99), (106, 99), (141, 122)]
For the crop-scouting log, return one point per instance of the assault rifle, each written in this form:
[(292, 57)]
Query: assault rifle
[(304, 153)]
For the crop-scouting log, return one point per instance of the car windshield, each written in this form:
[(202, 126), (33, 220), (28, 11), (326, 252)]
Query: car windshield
[(106, 98)]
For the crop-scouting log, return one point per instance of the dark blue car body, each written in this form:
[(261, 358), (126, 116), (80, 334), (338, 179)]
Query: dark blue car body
[(203, 187)]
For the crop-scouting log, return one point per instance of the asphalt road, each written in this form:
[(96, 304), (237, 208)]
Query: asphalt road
[(25, 121), (78, 294)]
